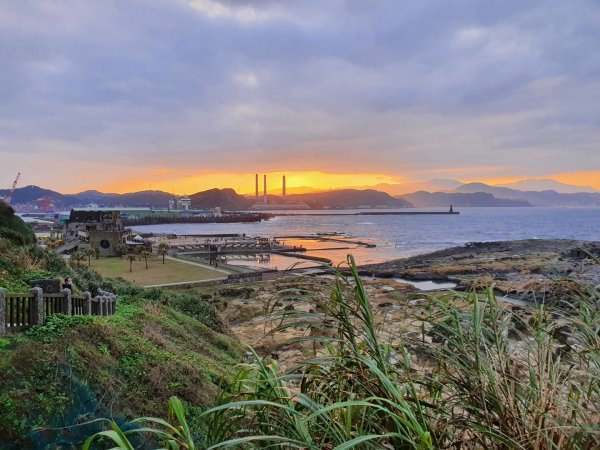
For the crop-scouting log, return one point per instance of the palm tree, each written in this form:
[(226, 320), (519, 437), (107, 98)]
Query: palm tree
[(77, 257), (138, 251), (131, 259), (89, 253), (121, 250), (145, 253), (163, 249)]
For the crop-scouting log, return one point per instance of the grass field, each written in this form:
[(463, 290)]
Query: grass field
[(157, 272)]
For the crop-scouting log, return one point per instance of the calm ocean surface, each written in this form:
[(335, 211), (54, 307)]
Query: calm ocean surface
[(399, 236)]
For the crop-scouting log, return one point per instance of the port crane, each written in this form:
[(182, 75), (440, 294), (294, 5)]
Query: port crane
[(12, 190)]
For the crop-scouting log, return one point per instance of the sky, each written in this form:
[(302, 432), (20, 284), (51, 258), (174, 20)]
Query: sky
[(184, 95)]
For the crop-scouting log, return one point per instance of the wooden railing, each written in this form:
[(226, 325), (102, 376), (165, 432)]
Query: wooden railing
[(21, 311), (53, 303), (18, 315)]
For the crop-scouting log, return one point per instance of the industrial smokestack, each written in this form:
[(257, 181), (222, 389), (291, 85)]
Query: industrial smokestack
[(256, 188), (265, 185), (283, 196)]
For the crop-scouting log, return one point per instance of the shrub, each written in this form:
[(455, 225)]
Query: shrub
[(13, 228)]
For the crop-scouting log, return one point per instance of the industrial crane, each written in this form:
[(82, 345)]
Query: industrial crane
[(12, 191)]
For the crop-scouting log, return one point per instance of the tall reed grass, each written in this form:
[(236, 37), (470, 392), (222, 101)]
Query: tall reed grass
[(495, 380)]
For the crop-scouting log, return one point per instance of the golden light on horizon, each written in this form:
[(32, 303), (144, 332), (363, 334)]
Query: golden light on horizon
[(244, 183), (174, 181)]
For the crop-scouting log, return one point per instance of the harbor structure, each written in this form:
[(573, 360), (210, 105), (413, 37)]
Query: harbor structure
[(180, 203), (184, 203)]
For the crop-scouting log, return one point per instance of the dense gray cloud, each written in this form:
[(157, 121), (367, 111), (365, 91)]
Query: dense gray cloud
[(233, 85)]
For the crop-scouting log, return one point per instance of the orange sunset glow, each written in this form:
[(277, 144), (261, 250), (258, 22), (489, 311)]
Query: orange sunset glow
[(301, 182), (243, 183)]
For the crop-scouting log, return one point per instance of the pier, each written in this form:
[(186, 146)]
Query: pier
[(374, 213)]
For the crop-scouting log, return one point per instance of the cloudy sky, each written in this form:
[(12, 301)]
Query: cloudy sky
[(182, 95)]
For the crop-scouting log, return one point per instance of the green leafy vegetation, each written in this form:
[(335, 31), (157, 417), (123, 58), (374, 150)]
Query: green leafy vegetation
[(493, 381), (13, 228), (76, 368)]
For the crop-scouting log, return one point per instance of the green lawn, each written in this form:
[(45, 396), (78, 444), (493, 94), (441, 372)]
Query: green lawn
[(157, 272)]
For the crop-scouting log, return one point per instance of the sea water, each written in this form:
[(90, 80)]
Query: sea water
[(406, 235)]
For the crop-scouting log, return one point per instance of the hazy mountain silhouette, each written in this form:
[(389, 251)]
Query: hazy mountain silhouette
[(424, 199), (349, 198), (227, 199), (535, 198), (547, 185)]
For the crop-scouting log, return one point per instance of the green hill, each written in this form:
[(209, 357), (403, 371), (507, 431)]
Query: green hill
[(13, 228), (227, 199), (75, 369)]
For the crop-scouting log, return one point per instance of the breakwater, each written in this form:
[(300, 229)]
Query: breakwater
[(374, 213), (176, 219)]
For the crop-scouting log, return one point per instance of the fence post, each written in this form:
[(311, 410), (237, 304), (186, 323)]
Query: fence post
[(2, 311), (67, 305), (37, 310), (100, 305), (105, 301), (87, 304)]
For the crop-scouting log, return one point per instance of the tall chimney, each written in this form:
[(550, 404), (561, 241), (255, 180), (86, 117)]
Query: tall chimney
[(283, 196), (265, 185), (256, 188)]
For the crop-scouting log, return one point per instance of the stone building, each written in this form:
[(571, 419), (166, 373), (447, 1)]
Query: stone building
[(96, 229)]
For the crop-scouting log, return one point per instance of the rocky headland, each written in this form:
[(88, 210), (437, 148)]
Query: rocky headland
[(542, 270)]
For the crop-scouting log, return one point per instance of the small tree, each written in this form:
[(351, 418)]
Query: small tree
[(145, 254), (77, 257), (121, 250), (163, 250), (131, 259), (138, 251), (89, 253)]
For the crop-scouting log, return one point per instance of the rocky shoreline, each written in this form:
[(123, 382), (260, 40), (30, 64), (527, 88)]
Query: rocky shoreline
[(550, 270), (542, 270)]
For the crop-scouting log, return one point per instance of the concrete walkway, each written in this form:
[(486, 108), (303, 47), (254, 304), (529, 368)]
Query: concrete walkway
[(182, 283)]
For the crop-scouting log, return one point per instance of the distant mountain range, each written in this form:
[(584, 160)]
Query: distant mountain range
[(449, 185), (30, 194), (471, 194), (423, 199), (227, 199), (350, 198), (397, 189), (535, 198), (547, 185)]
